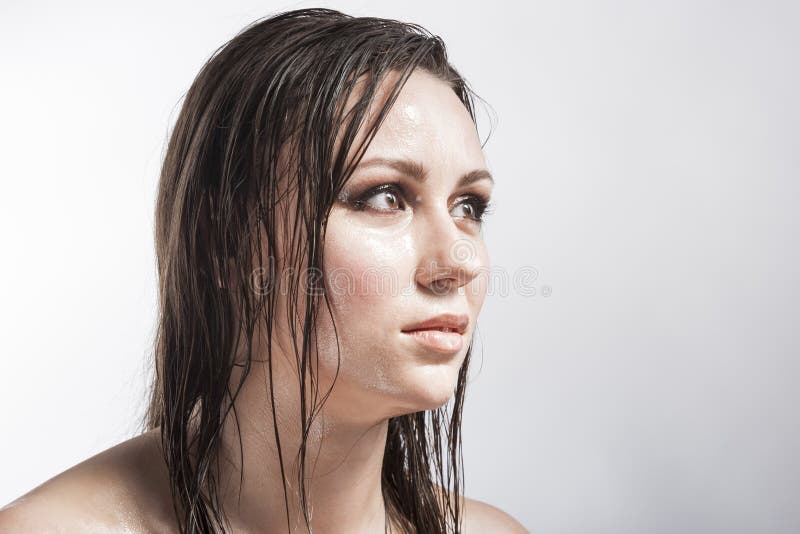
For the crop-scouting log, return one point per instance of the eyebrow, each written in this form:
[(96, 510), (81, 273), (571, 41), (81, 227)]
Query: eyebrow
[(417, 171)]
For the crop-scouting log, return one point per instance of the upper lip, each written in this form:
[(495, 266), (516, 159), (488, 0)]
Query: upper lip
[(456, 322)]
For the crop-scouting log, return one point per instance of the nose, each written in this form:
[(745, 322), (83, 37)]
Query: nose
[(449, 257)]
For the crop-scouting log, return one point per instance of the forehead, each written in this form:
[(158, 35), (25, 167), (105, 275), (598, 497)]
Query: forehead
[(427, 123)]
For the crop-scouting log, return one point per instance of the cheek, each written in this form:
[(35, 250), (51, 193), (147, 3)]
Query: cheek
[(364, 277), (365, 271)]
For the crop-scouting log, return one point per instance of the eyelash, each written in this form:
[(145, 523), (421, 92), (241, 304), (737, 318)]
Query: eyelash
[(483, 206)]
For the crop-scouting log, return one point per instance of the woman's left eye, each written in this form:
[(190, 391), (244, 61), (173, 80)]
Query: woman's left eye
[(474, 207)]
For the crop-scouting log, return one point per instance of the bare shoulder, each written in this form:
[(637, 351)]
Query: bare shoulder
[(122, 489), (480, 517), (483, 517)]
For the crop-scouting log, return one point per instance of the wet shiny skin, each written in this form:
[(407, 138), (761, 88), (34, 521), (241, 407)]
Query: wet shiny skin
[(381, 366)]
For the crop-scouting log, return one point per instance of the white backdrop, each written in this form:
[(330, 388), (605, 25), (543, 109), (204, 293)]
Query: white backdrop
[(646, 157)]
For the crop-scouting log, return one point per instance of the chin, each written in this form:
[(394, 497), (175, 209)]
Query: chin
[(431, 387)]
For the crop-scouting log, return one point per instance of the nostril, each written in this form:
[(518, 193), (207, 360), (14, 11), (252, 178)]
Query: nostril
[(442, 285)]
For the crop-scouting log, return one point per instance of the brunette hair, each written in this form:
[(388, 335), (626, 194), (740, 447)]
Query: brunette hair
[(280, 81)]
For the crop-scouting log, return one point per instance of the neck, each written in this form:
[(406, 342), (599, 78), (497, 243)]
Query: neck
[(344, 458)]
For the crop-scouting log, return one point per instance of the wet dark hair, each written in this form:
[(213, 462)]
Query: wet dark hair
[(278, 85)]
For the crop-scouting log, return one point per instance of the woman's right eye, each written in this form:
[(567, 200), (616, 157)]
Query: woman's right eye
[(386, 197)]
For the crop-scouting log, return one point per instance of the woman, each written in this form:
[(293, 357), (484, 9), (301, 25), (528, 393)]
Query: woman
[(321, 268)]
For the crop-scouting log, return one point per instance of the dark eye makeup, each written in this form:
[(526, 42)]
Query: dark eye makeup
[(396, 197)]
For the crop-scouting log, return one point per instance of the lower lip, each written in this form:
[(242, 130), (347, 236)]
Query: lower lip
[(444, 342)]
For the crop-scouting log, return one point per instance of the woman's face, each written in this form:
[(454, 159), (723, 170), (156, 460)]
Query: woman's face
[(404, 245)]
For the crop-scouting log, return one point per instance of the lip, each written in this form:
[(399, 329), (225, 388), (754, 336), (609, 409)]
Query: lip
[(438, 341), (429, 333), (455, 322)]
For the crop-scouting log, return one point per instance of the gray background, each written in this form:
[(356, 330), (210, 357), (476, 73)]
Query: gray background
[(646, 156)]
